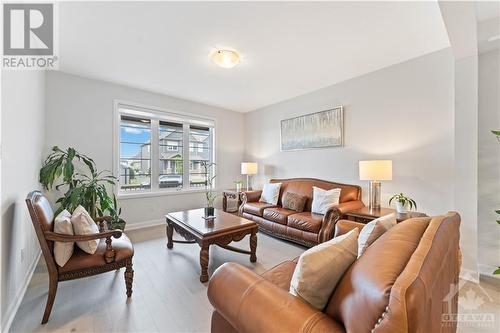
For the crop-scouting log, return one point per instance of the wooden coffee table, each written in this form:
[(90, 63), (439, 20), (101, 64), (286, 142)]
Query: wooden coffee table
[(221, 231)]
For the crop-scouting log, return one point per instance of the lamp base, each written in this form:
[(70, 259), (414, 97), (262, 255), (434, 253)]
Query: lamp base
[(374, 202)]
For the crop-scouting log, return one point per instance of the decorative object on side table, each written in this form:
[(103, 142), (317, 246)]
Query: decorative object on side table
[(248, 169), (375, 171), (315, 130), (366, 215), (210, 194), (238, 184), (402, 202), (84, 185)]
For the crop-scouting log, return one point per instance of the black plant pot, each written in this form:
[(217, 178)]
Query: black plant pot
[(209, 211)]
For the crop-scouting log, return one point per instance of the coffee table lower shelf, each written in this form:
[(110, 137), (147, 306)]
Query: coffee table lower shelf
[(221, 239)]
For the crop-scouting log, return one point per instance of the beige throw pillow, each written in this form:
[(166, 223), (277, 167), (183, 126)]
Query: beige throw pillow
[(83, 224), (63, 250), (374, 230), (323, 199), (270, 193), (320, 268)]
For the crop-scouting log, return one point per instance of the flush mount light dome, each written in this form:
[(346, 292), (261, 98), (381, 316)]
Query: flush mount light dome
[(225, 58)]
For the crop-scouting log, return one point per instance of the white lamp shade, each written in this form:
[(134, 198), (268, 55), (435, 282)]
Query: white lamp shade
[(249, 168), (375, 170)]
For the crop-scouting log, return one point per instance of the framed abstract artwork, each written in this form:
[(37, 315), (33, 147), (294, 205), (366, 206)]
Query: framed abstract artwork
[(316, 130)]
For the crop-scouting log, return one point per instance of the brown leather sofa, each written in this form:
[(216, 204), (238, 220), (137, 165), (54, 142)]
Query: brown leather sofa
[(305, 228), (400, 284)]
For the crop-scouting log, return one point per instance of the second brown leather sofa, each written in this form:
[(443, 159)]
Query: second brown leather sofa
[(402, 283), (305, 228)]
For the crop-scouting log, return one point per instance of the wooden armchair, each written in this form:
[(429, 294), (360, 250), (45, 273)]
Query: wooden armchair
[(111, 254)]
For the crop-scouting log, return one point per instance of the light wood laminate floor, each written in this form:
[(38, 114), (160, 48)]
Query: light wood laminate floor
[(168, 296), (167, 293)]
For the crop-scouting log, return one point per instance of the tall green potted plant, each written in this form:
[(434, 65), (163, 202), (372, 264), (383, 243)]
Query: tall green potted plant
[(77, 175)]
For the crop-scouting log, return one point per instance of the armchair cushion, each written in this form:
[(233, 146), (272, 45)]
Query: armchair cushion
[(306, 221), (63, 250), (83, 224), (256, 208), (80, 260), (281, 274)]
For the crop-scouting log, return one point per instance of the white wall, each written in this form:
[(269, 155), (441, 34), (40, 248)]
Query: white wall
[(80, 115), (403, 112), (466, 153), (489, 161), (23, 136)]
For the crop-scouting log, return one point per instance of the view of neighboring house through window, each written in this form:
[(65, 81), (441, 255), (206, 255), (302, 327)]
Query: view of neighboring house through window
[(135, 153), (153, 149), (200, 151), (171, 162)]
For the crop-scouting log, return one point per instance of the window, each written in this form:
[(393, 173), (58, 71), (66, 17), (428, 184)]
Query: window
[(161, 151)]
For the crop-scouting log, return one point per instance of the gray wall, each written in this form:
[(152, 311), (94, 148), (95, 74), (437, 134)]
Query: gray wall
[(403, 112), (23, 136), (489, 161), (80, 115)]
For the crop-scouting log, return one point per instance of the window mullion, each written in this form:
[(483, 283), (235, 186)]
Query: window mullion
[(185, 155), (155, 154)]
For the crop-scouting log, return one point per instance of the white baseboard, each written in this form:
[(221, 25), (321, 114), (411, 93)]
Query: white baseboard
[(12, 311), (144, 224), (469, 275)]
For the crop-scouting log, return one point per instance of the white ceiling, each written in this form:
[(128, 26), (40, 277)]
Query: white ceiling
[(288, 48), (487, 10)]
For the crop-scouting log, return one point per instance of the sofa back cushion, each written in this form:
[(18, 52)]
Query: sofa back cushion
[(402, 280), (304, 186)]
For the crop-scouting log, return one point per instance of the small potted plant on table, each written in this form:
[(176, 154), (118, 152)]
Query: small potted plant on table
[(403, 202), (210, 194)]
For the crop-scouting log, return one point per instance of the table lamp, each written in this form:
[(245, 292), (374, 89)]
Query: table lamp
[(248, 169), (375, 171)]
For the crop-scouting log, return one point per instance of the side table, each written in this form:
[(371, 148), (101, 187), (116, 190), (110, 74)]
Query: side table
[(366, 215), (231, 194)]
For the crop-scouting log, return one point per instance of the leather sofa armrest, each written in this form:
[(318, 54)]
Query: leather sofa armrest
[(344, 226), (334, 214), (248, 196), (251, 303)]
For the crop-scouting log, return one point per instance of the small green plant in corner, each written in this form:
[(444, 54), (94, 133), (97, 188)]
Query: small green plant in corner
[(82, 185), (402, 201)]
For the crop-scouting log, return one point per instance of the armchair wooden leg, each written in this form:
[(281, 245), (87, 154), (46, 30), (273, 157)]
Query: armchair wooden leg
[(50, 300), (129, 277)]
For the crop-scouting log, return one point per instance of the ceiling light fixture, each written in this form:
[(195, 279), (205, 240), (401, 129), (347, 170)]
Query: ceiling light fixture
[(225, 58)]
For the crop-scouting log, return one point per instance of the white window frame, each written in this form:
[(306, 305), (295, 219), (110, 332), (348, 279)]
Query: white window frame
[(157, 114)]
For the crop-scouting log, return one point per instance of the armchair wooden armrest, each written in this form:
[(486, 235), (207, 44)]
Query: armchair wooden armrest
[(55, 237), (109, 254)]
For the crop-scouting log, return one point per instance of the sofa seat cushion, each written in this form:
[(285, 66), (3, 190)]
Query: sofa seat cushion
[(281, 274), (256, 208), (80, 260), (278, 214), (306, 221)]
